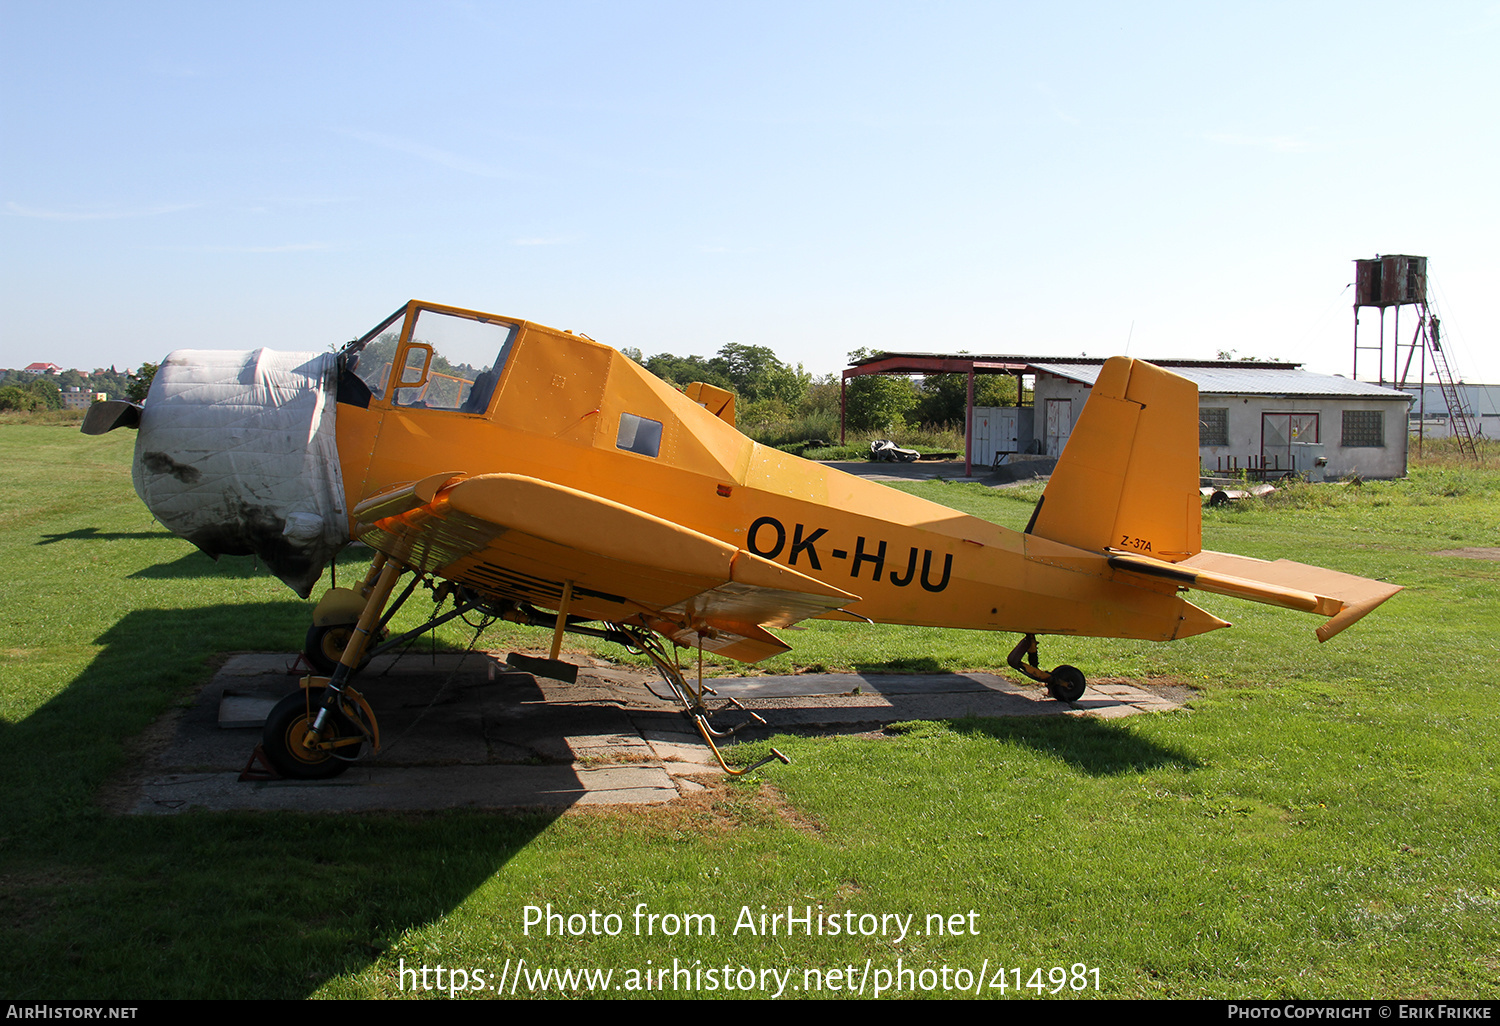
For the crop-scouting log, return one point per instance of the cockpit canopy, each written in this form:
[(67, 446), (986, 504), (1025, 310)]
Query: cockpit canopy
[(426, 356)]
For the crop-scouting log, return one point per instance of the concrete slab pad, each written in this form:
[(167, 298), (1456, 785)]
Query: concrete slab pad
[(410, 789), (237, 711), (471, 732)]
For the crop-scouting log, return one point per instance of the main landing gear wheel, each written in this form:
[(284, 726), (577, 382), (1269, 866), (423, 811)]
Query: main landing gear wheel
[(324, 646), (1067, 684), (289, 723)]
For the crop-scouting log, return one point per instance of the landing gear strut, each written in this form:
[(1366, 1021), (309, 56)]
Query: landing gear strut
[(692, 699), (1065, 683), (317, 732), (342, 737)]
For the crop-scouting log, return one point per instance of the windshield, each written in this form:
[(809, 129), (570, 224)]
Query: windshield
[(468, 354)]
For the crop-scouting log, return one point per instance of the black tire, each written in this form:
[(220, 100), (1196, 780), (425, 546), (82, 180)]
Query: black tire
[(285, 728), (324, 646), (1067, 684)]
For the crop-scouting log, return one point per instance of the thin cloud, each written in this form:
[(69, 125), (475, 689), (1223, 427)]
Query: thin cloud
[(104, 214), (431, 154)]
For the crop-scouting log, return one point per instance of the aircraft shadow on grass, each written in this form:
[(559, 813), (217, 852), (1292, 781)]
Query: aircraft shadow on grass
[(94, 534), (1092, 746), (197, 891), (193, 564), (1096, 747)]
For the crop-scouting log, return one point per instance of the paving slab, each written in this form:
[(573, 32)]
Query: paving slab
[(471, 732)]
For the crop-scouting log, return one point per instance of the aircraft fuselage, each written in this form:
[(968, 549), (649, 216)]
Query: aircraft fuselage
[(560, 413)]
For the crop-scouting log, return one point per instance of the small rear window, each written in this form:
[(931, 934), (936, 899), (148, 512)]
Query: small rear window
[(639, 435)]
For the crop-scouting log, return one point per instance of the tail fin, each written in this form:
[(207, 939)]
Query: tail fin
[(1128, 477), (1127, 484)]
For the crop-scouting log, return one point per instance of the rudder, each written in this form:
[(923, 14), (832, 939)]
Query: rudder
[(1128, 476)]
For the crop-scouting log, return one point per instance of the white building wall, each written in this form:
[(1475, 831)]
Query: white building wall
[(1050, 388), (1246, 416), (1001, 430)]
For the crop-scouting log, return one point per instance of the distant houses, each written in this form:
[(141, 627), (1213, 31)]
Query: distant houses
[(70, 386), (81, 398)]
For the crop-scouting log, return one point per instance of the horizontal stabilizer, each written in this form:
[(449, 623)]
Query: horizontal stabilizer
[(1344, 598), (718, 401)]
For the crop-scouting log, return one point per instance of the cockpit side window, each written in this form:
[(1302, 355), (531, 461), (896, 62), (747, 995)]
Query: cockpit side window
[(372, 364)]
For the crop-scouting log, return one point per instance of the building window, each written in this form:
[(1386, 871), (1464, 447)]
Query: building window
[(1213, 426), (1364, 429)]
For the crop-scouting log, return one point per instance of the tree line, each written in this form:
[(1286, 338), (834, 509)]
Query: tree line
[(22, 391), (771, 392)]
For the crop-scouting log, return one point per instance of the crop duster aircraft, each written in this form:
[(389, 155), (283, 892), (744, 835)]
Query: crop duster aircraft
[(541, 477)]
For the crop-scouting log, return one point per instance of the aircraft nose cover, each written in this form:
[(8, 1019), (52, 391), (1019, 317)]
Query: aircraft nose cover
[(237, 454)]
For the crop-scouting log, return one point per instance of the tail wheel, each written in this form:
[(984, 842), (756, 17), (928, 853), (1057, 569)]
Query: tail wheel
[(1067, 684), (289, 723)]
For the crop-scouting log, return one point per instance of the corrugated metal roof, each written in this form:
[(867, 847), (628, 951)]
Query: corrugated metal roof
[(1231, 379)]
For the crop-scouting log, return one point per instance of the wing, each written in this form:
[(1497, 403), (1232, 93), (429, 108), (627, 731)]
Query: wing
[(1344, 598), (522, 538)]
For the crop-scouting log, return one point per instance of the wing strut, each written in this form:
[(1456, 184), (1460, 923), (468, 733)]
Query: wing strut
[(562, 620)]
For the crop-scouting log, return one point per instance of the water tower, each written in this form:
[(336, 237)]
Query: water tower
[(1391, 282), (1388, 283)]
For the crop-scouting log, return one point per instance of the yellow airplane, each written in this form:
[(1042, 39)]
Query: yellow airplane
[(539, 476)]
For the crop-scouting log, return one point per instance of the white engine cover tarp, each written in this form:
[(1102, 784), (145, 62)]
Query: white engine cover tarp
[(237, 454)]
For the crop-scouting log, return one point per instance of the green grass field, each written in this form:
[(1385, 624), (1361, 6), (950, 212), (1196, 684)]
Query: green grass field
[(1321, 822)]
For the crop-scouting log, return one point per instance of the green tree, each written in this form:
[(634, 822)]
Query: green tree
[(13, 397), (943, 395), (821, 397), (877, 402), (140, 383), (683, 370), (46, 390), (756, 374)]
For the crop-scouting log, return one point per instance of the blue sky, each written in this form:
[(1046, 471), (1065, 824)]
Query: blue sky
[(813, 177)]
